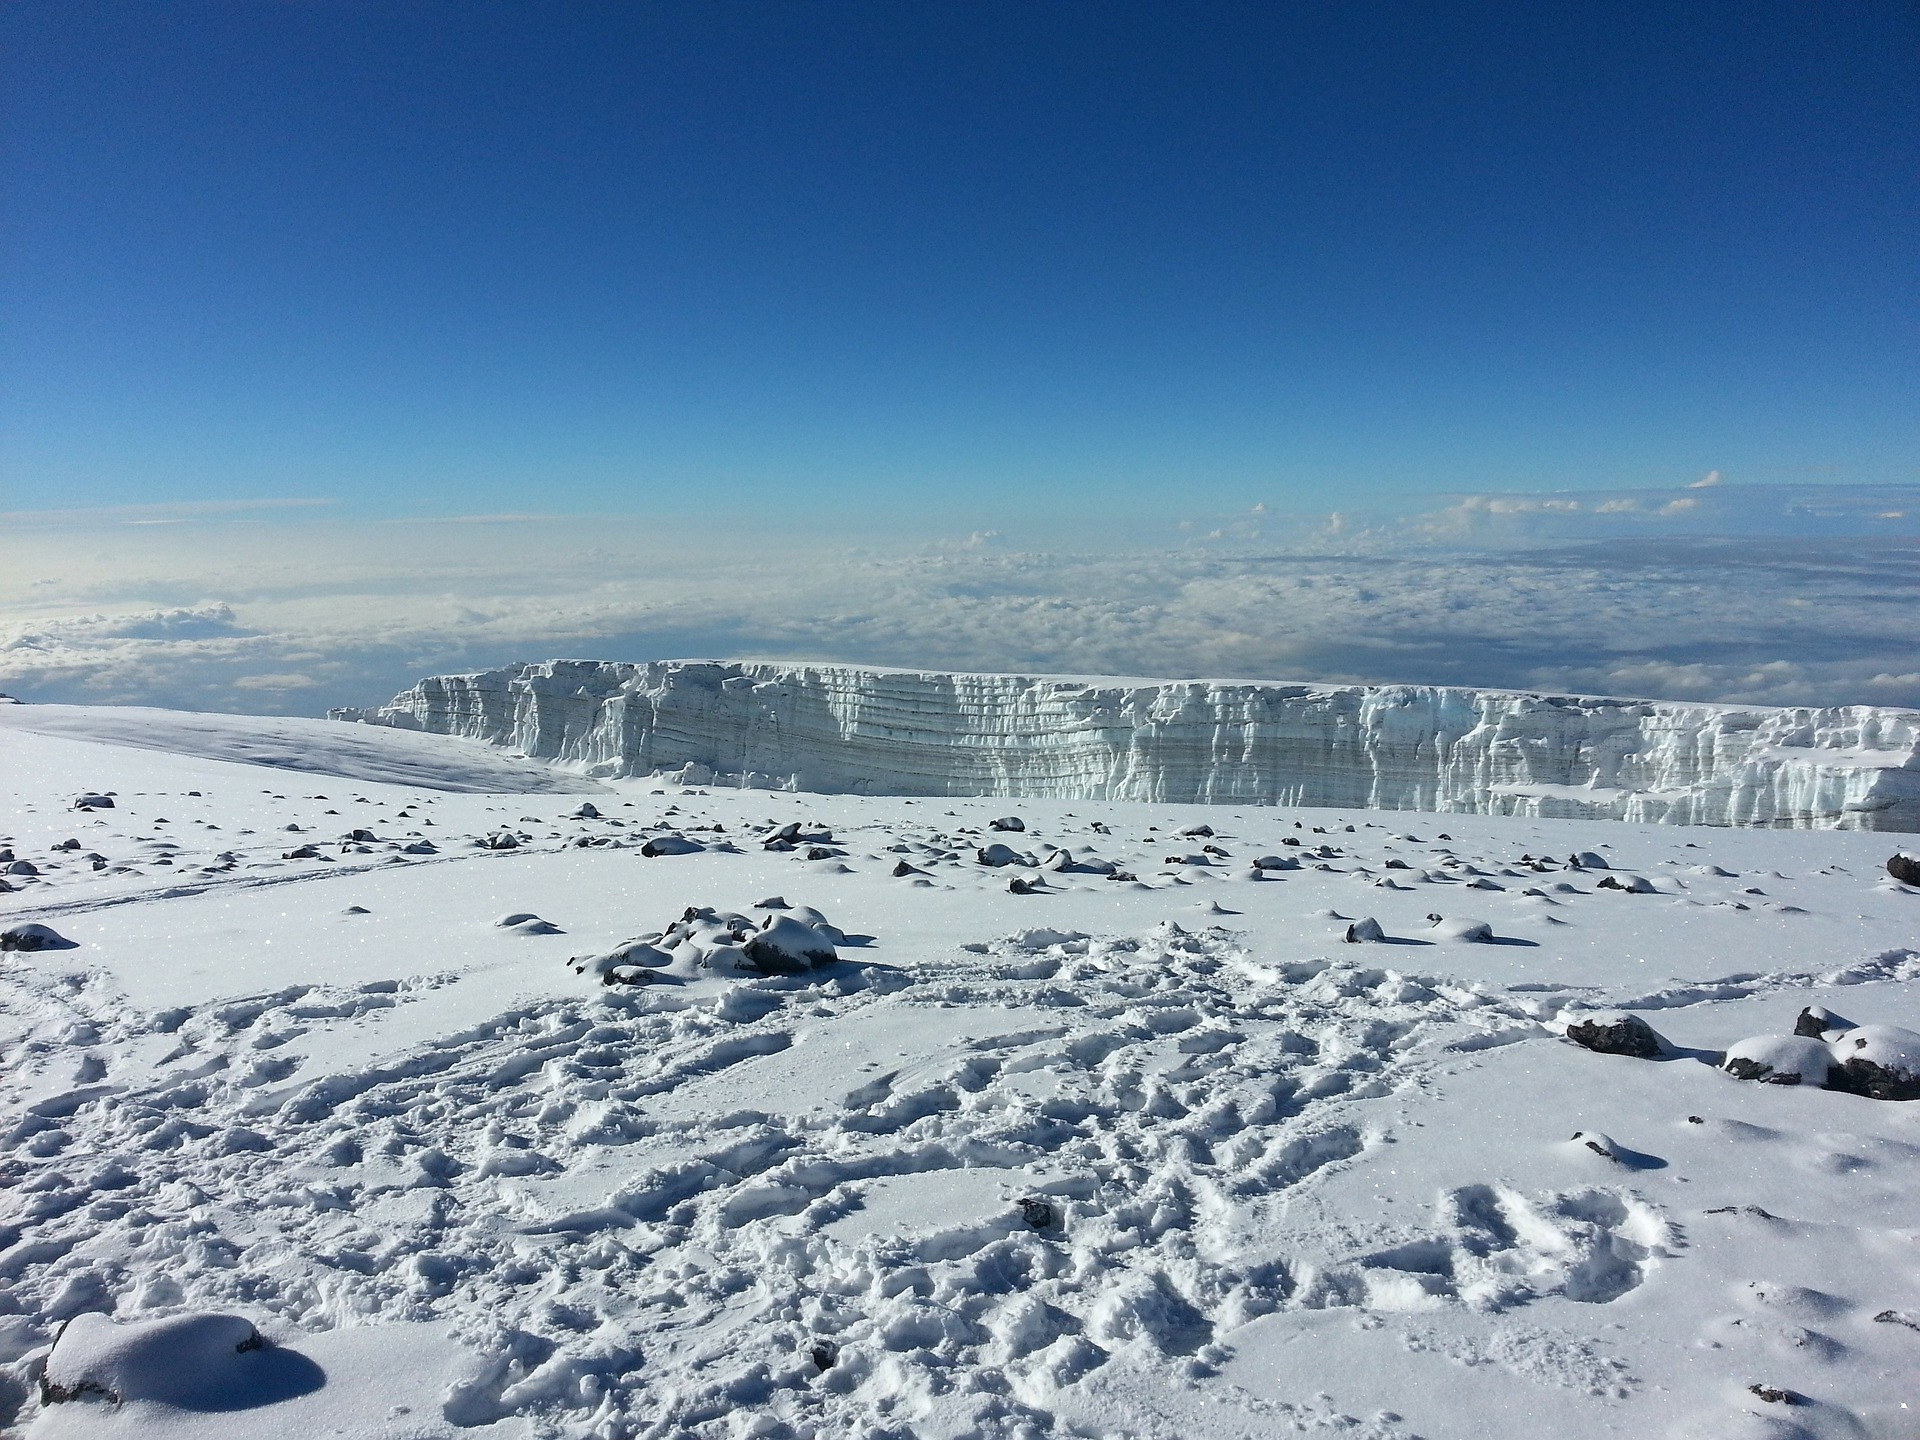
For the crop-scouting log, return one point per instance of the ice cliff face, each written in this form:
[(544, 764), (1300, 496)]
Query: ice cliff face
[(1387, 747)]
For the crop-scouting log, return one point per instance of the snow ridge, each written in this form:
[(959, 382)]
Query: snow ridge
[(839, 728)]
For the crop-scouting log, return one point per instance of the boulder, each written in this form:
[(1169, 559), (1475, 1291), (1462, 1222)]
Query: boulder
[(1615, 1033), (93, 802), (1007, 822), (31, 936), (1628, 884), (670, 845), (1881, 1061), (630, 963), (787, 946), (1905, 869), (997, 855), (1365, 932), (1779, 1060)]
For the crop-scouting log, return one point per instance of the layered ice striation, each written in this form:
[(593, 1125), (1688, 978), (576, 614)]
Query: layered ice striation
[(839, 728)]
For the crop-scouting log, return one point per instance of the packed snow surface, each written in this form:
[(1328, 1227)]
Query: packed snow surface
[(835, 728), (387, 1107)]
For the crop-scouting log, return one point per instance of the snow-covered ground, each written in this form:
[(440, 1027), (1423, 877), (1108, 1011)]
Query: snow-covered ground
[(1147, 1156)]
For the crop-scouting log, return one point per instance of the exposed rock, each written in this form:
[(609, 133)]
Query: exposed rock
[(1007, 822), (1905, 869), (1365, 932), (1816, 1021), (1614, 1033), (94, 802)]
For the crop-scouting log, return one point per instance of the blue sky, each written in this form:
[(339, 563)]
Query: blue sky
[(945, 260)]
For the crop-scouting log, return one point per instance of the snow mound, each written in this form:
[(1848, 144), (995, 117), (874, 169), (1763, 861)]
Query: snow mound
[(197, 1361)]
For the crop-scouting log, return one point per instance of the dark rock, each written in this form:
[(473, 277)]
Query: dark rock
[(1617, 1035), (1905, 869), (824, 1354), (501, 841), (1199, 830), (1019, 886), (903, 869), (670, 845), (30, 936), (997, 855), (1364, 932), (1007, 822), (1037, 1212), (304, 852), (94, 802), (1877, 1082), (1775, 1397), (1816, 1020)]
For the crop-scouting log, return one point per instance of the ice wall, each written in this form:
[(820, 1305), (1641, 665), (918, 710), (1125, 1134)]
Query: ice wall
[(1388, 747)]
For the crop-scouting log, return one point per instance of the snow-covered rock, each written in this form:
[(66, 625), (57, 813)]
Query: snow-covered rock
[(1878, 1060), (840, 728), (1779, 1060), (30, 935), (1472, 931), (195, 1361), (787, 946)]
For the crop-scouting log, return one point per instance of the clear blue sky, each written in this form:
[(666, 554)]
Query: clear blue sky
[(425, 257)]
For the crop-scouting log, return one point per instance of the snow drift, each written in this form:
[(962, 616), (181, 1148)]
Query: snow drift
[(838, 728)]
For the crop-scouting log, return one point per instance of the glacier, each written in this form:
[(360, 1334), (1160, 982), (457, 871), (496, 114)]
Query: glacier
[(1447, 749)]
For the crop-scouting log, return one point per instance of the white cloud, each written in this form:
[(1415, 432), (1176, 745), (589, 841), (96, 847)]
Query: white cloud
[(1706, 481), (311, 616)]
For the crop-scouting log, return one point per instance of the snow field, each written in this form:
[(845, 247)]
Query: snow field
[(1150, 1156)]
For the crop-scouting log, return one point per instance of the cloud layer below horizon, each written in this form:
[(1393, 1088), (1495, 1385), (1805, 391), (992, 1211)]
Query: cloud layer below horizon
[(1811, 603)]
